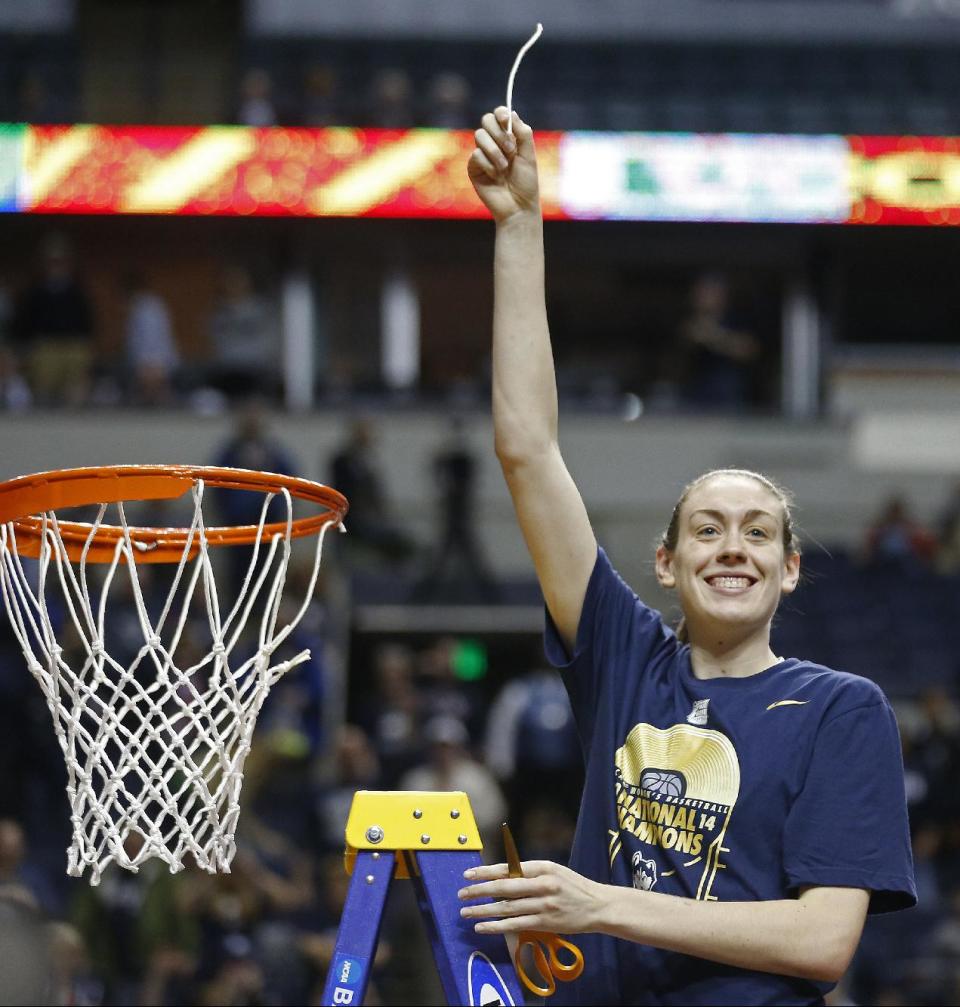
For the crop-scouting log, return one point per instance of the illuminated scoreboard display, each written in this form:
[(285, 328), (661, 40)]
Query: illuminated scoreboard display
[(349, 172)]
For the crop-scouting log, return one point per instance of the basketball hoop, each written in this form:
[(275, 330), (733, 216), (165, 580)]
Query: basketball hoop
[(154, 748)]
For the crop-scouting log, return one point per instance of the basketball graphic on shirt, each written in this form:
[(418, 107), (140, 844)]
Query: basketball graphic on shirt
[(676, 789), (659, 782)]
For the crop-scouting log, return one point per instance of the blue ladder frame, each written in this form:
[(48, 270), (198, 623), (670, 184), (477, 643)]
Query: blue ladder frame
[(474, 969)]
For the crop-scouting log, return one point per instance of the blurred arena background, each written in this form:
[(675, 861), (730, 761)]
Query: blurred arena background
[(309, 292)]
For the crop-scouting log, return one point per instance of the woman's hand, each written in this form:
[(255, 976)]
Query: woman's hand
[(503, 168), (548, 897)]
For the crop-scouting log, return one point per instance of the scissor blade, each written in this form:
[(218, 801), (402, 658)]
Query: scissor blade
[(510, 848)]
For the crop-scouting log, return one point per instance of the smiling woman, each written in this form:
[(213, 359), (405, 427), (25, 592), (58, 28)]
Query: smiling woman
[(751, 506), (742, 811)]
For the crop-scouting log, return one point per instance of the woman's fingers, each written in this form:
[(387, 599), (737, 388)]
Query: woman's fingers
[(503, 167), (524, 136), (503, 907), (487, 872), (487, 144), (512, 888), (548, 897), (506, 888), (508, 925), (494, 872), (479, 162), (496, 127)]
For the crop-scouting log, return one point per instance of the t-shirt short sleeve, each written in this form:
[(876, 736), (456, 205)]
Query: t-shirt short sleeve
[(617, 635), (848, 827)]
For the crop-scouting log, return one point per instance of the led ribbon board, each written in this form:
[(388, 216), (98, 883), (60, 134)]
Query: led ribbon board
[(351, 172)]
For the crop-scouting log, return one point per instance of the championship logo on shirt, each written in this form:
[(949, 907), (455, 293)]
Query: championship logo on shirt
[(676, 789)]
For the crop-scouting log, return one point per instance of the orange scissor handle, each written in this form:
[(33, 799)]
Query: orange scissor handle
[(549, 969)]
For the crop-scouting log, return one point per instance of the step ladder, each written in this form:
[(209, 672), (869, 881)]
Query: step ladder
[(430, 838)]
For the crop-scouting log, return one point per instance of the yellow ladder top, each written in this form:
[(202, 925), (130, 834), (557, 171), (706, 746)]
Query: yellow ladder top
[(410, 820)]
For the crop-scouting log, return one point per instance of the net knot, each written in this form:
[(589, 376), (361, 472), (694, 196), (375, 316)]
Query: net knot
[(153, 641), (219, 648)]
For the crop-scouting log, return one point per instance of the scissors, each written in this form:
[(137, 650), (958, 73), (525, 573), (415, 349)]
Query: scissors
[(549, 968)]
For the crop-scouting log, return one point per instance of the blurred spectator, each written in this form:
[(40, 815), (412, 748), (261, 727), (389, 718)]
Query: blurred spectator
[(137, 925), (239, 981), (320, 96), (249, 447), (70, 976), (391, 100), (937, 741), (228, 908), (24, 950), (392, 715), (15, 395), (353, 471), (34, 103), (14, 390), (304, 691), (284, 873), (443, 693), (457, 570), (896, 539), (55, 329), (15, 870), (927, 844), (948, 552), (256, 106), (718, 353), (282, 765), (355, 767), (532, 743), (448, 101), (546, 829), (6, 311), (152, 355), (450, 766), (946, 937), (290, 718), (244, 334)]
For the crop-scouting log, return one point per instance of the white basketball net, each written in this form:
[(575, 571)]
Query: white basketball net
[(152, 747)]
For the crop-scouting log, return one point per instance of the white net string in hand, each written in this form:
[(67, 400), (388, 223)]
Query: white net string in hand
[(538, 31), (154, 749)]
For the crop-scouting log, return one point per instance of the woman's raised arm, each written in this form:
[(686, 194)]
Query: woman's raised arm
[(503, 170)]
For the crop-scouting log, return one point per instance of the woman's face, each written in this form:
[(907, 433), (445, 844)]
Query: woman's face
[(729, 567)]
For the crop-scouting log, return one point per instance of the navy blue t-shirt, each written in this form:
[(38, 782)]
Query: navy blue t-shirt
[(729, 789)]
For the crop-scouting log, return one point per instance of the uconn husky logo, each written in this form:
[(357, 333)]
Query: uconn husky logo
[(644, 872)]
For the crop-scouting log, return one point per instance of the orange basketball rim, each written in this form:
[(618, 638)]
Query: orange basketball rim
[(24, 501)]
